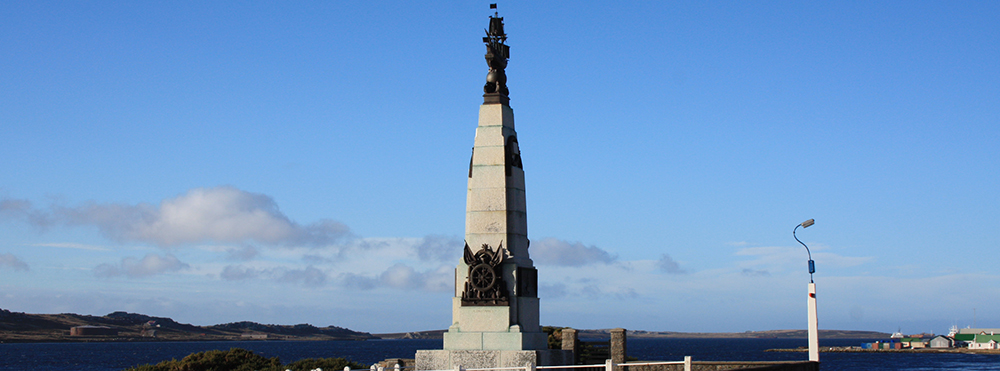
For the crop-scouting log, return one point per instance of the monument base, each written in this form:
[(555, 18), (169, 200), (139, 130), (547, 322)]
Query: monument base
[(449, 359), (457, 340)]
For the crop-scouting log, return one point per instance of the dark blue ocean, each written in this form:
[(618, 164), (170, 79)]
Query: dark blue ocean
[(117, 356)]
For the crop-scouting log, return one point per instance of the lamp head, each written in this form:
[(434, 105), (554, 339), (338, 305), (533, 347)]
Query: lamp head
[(807, 223)]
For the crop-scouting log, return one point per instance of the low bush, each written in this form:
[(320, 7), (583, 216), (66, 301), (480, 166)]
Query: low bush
[(237, 359)]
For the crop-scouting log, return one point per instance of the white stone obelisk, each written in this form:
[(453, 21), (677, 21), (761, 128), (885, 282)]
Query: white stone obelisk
[(495, 308), (495, 216)]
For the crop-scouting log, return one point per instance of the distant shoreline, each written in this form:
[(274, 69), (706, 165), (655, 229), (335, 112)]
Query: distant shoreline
[(16, 327), (642, 334), (918, 350)]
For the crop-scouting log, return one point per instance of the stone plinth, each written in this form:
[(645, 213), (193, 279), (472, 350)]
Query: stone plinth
[(449, 359), (495, 340)]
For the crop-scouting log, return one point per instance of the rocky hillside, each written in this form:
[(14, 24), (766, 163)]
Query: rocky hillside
[(22, 327)]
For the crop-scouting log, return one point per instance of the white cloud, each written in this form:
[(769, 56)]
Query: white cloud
[(552, 291), (78, 246), (150, 265), (778, 258), (551, 251), (239, 273), (595, 291), (754, 273), (358, 281), (440, 248), (8, 260), (244, 253), (402, 276), (222, 214), (668, 265), (22, 209), (309, 276)]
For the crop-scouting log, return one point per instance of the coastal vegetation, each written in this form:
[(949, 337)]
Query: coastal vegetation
[(555, 336), (237, 359), (124, 326)]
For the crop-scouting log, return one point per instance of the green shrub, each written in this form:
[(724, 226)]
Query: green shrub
[(237, 359), (555, 336)]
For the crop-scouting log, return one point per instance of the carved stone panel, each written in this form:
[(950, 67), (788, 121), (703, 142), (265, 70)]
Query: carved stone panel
[(485, 285)]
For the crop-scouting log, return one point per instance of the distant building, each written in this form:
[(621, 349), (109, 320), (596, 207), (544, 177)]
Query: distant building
[(912, 343), (254, 336), (92, 331), (942, 341), (980, 331), (985, 342)]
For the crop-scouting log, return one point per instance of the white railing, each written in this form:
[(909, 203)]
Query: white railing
[(608, 366)]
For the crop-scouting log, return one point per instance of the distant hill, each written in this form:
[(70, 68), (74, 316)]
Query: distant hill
[(770, 334), (640, 334), (22, 327), (432, 334)]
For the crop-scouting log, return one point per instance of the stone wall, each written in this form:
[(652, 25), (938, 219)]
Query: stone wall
[(571, 343)]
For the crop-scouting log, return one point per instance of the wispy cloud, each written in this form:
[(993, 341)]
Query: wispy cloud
[(668, 265), (8, 260), (23, 210), (403, 276), (439, 248), (778, 257), (150, 265), (243, 253), (553, 291), (309, 276), (77, 246), (551, 251), (595, 291), (239, 273), (221, 214), (754, 273)]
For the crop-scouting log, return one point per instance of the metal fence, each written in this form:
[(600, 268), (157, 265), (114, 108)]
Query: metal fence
[(607, 366)]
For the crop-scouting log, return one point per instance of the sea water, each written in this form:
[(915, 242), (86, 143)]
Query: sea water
[(119, 355)]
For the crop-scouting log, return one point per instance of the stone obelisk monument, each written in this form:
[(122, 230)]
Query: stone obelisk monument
[(495, 308)]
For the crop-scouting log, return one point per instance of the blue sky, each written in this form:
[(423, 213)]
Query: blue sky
[(297, 162)]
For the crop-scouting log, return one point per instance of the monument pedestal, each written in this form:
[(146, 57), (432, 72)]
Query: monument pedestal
[(449, 359)]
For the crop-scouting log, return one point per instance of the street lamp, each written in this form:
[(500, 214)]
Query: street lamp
[(813, 322), (812, 265)]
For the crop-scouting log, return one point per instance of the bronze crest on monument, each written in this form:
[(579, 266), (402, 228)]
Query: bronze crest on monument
[(497, 54), (485, 285)]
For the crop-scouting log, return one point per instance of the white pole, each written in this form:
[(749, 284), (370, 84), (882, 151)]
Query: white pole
[(813, 325), (687, 363)]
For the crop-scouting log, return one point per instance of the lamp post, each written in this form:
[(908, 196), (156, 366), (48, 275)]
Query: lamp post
[(813, 322)]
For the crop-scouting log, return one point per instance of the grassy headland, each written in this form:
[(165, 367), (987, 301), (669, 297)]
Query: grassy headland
[(23, 327)]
